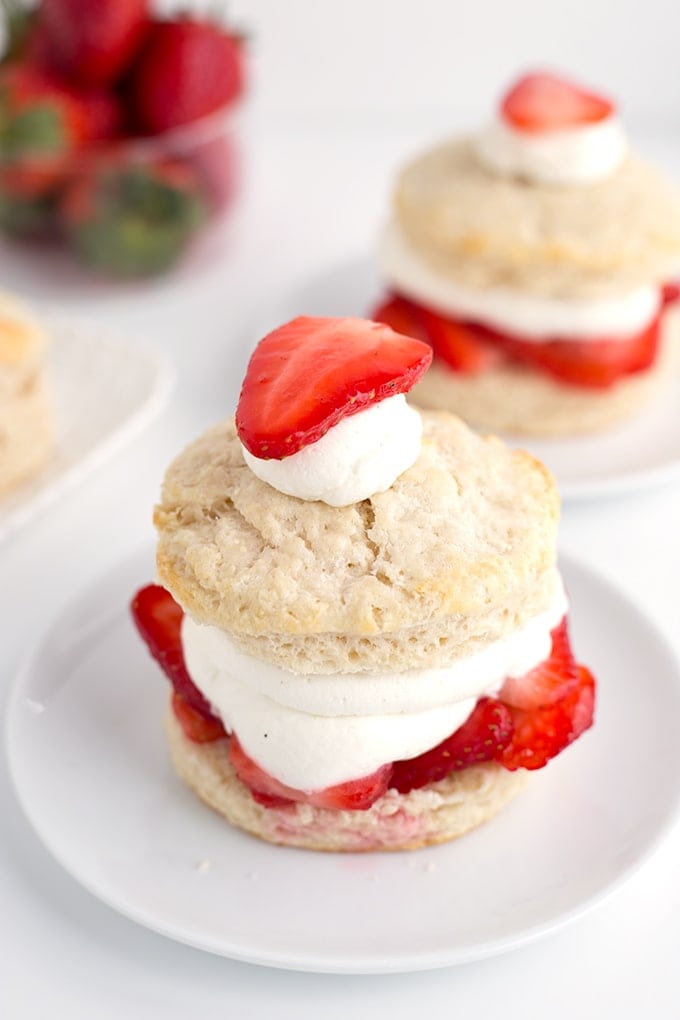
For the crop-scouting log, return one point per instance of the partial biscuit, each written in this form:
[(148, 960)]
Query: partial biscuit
[(472, 526), (23, 343), (486, 230), (26, 433), (439, 812)]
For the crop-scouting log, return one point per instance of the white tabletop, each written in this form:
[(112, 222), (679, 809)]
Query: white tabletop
[(316, 194)]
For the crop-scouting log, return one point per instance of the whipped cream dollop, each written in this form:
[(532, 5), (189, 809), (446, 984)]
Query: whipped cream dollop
[(310, 732), (359, 457), (515, 312), (576, 155)]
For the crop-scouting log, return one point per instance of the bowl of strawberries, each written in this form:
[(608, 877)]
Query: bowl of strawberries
[(119, 130)]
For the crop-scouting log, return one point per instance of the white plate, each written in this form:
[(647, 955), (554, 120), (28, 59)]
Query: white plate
[(104, 390), (642, 451), (90, 767)]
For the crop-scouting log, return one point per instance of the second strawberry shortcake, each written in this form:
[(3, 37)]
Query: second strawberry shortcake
[(535, 257), (359, 607)]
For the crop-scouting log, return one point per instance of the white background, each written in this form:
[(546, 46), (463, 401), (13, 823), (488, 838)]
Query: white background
[(395, 56), (343, 92)]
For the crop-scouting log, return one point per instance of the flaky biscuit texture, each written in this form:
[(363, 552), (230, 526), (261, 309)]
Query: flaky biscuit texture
[(470, 528), (434, 814), (487, 230)]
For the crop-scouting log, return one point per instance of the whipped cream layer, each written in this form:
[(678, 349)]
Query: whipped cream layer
[(311, 732), (578, 155), (360, 456), (514, 312)]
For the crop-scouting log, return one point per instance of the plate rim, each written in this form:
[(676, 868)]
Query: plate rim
[(162, 376), (397, 962)]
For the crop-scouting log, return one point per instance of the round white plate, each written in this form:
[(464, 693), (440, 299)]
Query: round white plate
[(642, 451), (104, 390), (91, 770)]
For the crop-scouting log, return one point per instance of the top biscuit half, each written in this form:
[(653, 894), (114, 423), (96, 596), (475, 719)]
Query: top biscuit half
[(547, 197), (470, 527), (486, 229)]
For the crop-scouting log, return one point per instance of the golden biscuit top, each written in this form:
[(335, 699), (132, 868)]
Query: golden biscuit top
[(21, 339), (575, 240), (465, 529)]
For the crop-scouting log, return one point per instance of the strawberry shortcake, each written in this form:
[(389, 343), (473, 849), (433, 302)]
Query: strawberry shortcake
[(537, 259), (359, 607), (26, 424)]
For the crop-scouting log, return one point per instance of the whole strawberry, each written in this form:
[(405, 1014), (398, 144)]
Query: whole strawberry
[(186, 69), (90, 42), (132, 220), (43, 128)]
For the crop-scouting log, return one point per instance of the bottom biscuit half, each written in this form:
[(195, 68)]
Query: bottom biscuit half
[(434, 814)]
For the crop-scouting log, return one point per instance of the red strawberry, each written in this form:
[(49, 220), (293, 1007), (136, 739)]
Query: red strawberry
[(595, 364), (670, 293), (90, 42), (41, 125), (541, 733), (481, 738), (187, 69), (354, 795), (546, 102), (402, 316), (307, 375), (461, 345), (158, 619), (197, 727), (549, 681), (103, 114)]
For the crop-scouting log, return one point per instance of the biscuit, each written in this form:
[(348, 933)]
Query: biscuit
[(22, 346), (486, 230), (26, 433), (26, 426), (469, 531), (434, 814)]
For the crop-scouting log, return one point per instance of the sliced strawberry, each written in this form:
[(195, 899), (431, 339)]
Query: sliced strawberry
[(354, 795), (549, 681), (200, 728), (158, 619), (541, 733), (463, 346), (546, 102), (594, 364), (460, 344), (670, 293), (307, 375), (470, 347), (402, 316), (481, 738)]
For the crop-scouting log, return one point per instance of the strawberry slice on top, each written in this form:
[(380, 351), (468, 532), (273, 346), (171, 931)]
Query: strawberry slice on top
[(307, 375), (547, 102)]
